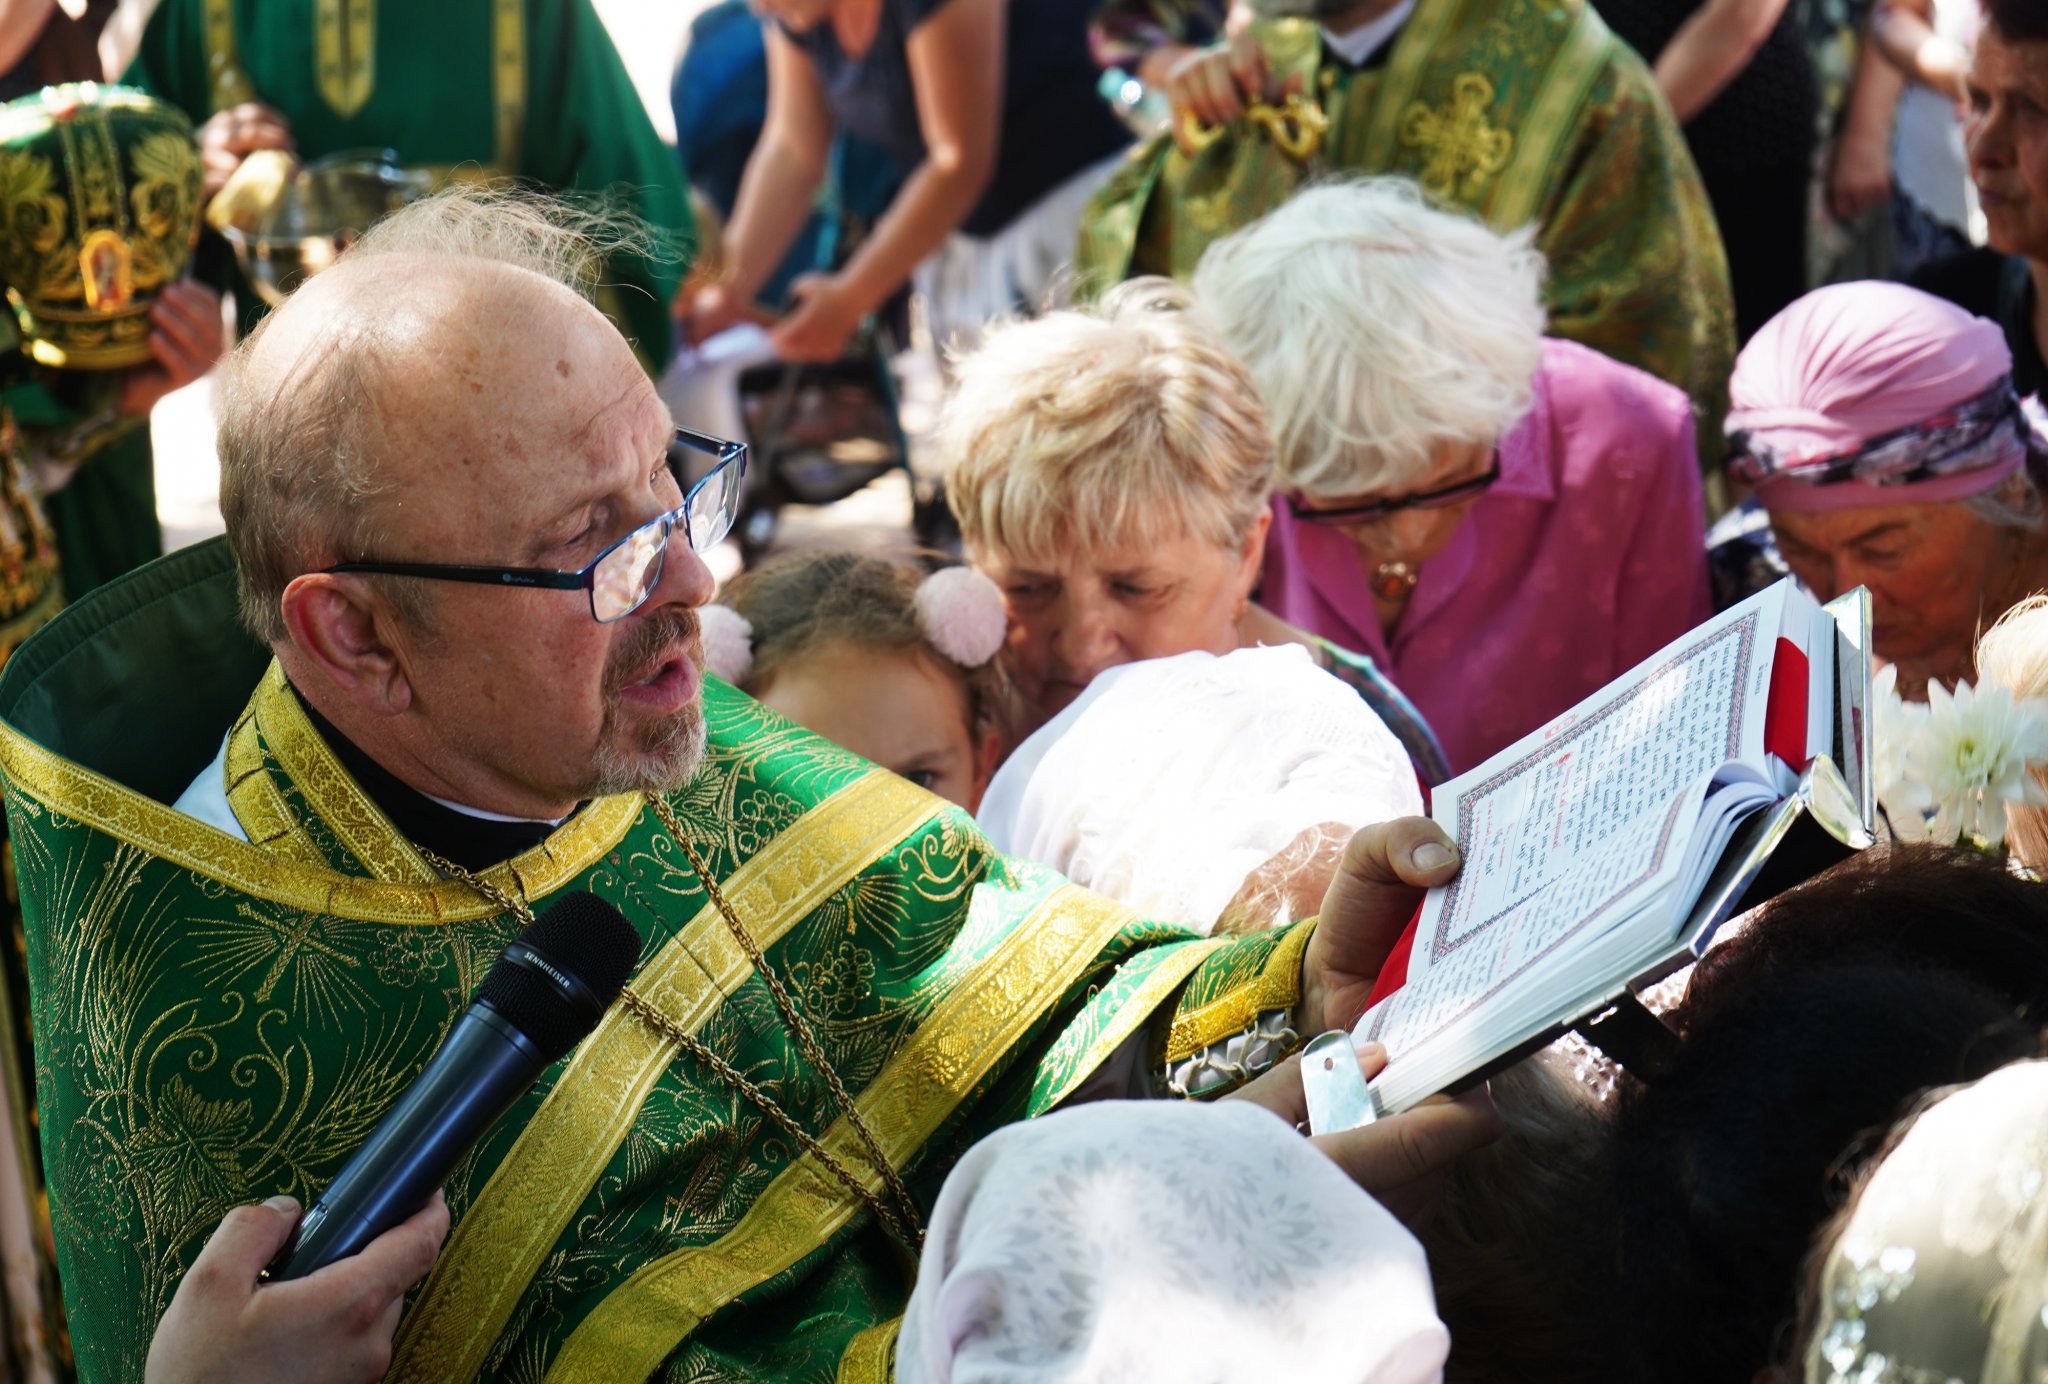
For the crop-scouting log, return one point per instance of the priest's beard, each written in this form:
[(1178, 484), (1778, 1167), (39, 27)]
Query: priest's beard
[(662, 756)]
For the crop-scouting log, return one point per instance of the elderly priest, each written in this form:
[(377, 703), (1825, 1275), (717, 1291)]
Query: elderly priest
[(841, 985)]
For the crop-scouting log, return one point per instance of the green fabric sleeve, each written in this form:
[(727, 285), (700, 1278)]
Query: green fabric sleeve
[(587, 132)]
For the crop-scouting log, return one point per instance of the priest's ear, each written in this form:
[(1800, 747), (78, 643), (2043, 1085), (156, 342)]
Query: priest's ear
[(350, 630)]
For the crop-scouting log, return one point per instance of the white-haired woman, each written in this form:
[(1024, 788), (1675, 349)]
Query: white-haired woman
[(1111, 470), (1503, 521)]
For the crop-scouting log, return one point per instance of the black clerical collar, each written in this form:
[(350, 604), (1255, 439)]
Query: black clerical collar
[(474, 843)]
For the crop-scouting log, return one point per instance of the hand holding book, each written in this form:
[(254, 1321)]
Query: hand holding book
[(1600, 852)]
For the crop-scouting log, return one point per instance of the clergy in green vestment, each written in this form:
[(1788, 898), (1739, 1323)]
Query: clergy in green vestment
[(1523, 112), (262, 875), (525, 89)]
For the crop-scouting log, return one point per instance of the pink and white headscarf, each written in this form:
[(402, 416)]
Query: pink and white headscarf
[(1870, 394)]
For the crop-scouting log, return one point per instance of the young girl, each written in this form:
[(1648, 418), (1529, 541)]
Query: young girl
[(881, 656)]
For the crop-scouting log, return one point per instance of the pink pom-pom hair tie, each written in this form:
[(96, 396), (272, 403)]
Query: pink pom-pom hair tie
[(961, 614), (728, 639)]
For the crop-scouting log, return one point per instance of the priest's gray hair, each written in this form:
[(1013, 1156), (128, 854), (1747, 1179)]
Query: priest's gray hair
[(299, 441), (1377, 328)]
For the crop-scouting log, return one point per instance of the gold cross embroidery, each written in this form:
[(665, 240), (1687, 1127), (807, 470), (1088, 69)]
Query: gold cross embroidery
[(1456, 139)]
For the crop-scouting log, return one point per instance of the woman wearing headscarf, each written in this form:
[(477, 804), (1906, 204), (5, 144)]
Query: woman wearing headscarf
[(1879, 427), (1068, 1249), (1502, 521)]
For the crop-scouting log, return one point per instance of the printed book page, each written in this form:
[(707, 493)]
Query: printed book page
[(1577, 826)]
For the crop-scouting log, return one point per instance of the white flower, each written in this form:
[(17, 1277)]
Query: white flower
[(1895, 723), (1973, 752)]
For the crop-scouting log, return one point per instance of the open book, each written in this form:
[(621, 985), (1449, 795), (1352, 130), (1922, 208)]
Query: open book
[(1602, 851)]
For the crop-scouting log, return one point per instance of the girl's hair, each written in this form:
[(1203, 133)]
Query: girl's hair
[(802, 604)]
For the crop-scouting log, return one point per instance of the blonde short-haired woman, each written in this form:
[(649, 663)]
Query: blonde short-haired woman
[(1503, 521), (1112, 471)]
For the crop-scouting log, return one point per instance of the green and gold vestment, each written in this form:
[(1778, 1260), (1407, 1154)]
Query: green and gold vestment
[(220, 1020), (1521, 111), (530, 89)]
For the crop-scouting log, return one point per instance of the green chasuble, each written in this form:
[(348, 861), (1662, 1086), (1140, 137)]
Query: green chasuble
[(1521, 111), (532, 89), (219, 1020)]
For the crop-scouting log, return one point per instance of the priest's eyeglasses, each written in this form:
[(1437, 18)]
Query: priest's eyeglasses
[(1456, 493), (620, 579)]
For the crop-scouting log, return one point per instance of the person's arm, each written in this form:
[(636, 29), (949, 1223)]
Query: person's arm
[(956, 58), (21, 24), (1860, 169), (1903, 30), (1710, 50), (775, 194)]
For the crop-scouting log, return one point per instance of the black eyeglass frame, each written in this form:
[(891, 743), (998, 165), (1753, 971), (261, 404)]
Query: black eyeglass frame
[(1379, 509), (584, 579)]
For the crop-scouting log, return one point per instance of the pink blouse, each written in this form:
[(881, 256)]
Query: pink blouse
[(1586, 557)]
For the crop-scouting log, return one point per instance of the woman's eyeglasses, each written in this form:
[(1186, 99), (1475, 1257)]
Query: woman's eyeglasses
[(1442, 498), (620, 579)]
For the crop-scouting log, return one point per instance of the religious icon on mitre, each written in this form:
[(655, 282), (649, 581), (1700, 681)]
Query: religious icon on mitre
[(288, 221), (99, 206)]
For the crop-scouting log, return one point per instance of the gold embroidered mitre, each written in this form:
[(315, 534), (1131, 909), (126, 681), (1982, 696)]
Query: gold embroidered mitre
[(99, 205)]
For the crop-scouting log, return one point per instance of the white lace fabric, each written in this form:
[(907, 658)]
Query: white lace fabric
[(1941, 1274), (1132, 1241), (1168, 781)]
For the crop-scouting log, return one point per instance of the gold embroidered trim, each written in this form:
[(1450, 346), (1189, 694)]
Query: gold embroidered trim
[(70, 790), (330, 791), (1137, 1009), (530, 1198), (1277, 986), (1550, 121), (508, 69), (254, 797), (345, 53), (870, 1357), (230, 85), (642, 1321), (1415, 53)]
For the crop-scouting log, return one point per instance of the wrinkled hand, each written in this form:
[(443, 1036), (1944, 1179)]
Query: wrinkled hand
[(334, 1325), (1859, 177), (819, 326), (1379, 885), (1402, 1160), (232, 135), (185, 336)]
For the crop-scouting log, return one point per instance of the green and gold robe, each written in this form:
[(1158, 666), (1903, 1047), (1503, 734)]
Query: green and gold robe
[(531, 89), (220, 1020), (1520, 111)]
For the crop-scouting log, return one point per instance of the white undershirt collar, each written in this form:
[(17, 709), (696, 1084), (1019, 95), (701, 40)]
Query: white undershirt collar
[(482, 815), (1361, 43)]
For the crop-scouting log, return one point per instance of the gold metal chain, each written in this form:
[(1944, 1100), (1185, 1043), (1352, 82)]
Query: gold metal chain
[(799, 1029), (902, 1220)]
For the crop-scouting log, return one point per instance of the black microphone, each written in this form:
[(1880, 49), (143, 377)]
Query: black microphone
[(547, 990)]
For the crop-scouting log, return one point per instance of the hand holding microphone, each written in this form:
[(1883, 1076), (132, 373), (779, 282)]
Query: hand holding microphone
[(334, 1327), (378, 1226), (546, 992)]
